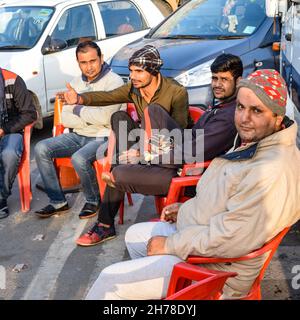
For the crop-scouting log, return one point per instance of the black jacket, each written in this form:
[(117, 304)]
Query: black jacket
[(18, 101), (219, 129)]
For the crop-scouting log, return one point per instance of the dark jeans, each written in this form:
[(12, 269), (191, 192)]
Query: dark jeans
[(134, 178), (11, 148), (127, 138)]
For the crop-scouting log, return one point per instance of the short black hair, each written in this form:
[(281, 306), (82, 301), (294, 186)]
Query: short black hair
[(87, 44), (228, 62)]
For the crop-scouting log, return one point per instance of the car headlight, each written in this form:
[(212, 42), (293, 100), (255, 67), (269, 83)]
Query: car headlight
[(198, 76)]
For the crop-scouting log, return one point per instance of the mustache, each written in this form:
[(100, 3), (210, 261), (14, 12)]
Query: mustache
[(219, 88)]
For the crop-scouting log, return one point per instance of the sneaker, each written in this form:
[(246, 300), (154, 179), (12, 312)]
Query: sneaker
[(96, 235), (49, 211), (4, 213), (89, 210)]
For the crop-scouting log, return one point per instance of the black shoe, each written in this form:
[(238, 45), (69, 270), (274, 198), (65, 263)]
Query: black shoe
[(89, 210), (49, 211), (4, 213)]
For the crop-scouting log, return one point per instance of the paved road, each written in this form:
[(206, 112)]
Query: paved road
[(57, 269)]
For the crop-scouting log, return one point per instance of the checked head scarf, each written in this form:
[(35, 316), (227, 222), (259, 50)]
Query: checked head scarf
[(147, 58)]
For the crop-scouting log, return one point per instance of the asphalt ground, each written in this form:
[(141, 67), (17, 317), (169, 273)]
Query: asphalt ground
[(52, 267)]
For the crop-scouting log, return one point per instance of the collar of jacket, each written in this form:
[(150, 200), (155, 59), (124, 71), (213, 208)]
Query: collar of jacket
[(242, 154), (138, 93), (248, 151), (105, 68), (218, 103)]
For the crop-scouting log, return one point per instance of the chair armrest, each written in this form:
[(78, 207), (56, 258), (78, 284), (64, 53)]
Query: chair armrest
[(58, 129), (131, 110), (269, 246), (176, 186), (199, 167), (183, 274)]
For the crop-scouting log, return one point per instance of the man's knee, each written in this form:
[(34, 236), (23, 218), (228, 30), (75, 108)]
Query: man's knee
[(117, 117), (122, 175), (130, 234), (41, 149), (137, 233), (11, 156), (79, 160), (156, 110)]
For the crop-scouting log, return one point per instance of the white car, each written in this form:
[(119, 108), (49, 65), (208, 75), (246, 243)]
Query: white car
[(38, 39)]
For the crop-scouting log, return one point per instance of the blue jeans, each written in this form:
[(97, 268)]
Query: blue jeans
[(82, 151), (11, 148)]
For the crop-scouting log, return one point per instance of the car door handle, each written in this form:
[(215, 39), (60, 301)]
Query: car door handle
[(52, 100)]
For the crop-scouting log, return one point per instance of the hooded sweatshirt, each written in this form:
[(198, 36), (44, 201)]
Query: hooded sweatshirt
[(92, 121)]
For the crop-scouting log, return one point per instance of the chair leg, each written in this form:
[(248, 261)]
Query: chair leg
[(121, 213), (25, 190), (129, 198)]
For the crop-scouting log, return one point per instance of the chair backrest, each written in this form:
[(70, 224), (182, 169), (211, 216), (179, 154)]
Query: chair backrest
[(195, 113), (131, 110), (270, 247), (208, 285)]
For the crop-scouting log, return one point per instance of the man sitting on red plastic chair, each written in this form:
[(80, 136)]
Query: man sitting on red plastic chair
[(155, 178), (147, 86), (16, 111), (244, 199), (90, 130)]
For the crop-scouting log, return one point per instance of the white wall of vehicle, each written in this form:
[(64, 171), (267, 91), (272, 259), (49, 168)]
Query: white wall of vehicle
[(45, 75)]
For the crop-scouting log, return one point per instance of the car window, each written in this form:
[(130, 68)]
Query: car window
[(120, 17), (21, 27), (75, 25), (214, 18)]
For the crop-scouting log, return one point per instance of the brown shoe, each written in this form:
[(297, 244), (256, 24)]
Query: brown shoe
[(108, 178)]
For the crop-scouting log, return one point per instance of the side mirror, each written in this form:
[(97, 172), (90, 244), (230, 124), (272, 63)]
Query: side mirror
[(53, 45)]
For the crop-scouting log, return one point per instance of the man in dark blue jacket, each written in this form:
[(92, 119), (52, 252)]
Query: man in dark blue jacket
[(16, 111), (217, 138)]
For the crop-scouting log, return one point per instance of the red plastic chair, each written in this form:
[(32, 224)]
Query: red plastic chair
[(208, 285), (104, 165), (178, 185), (24, 171), (99, 165), (270, 248), (176, 190)]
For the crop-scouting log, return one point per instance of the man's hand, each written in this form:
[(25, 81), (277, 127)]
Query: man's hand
[(70, 96), (169, 213), (1, 133), (156, 245), (131, 156)]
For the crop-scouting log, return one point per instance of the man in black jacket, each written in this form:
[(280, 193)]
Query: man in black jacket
[(218, 136), (16, 111)]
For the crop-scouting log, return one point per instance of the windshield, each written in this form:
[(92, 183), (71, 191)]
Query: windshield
[(21, 27), (214, 19)]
